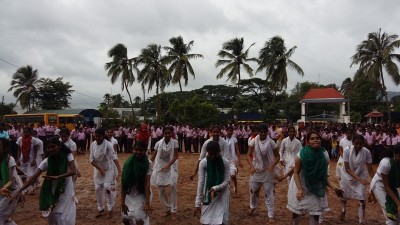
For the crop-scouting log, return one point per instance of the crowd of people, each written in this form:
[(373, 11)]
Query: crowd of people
[(276, 152)]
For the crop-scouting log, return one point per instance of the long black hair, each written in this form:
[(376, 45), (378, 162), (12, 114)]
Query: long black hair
[(56, 141)]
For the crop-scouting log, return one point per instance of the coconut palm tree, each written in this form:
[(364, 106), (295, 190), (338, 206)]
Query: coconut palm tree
[(121, 66), (377, 54), (24, 84), (274, 59), (178, 56), (234, 57), (154, 71)]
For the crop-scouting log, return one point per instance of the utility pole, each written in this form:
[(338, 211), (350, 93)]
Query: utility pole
[(143, 107), (2, 106)]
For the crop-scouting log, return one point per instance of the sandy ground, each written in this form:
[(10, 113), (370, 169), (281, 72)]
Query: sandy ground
[(87, 208)]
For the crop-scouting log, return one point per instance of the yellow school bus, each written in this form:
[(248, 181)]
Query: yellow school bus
[(70, 120), (35, 119)]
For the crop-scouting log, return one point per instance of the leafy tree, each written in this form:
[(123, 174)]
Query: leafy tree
[(222, 96), (154, 71), (256, 88), (195, 111), (275, 58), (234, 57), (178, 55), (53, 94), (137, 100), (122, 66), (346, 88), (363, 97), (377, 54), (7, 109), (24, 84)]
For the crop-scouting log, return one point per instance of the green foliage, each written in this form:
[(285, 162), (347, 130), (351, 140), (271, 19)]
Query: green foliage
[(53, 94), (6, 109), (362, 95), (195, 111), (24, 86), (375, 55), (355, 117)]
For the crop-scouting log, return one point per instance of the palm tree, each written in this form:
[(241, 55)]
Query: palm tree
[(178, 56), (236, 58), (23, 83), (275, 58), (375, 54), (121, 66), (345, 88), (154, 71)]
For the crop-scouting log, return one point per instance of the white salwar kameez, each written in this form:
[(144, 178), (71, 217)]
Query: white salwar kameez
[(64, 213), (135, 202), (310, 203), (104, 155), (288, 152), (352, 188), (344, 143), (262, 159), (378, 188), (8, 206), (217, 212), (165, 153), (230, 154), (26, 166)]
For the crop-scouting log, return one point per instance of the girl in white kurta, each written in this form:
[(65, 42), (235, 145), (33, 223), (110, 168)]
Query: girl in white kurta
[(9, 181), (57, 191), (263, 156), (233, 155), (213, 195), (358, 164), (308, 184), (165, 171), (344, 143), (106, 170), (289, 148), (382, 182), (135, 183)]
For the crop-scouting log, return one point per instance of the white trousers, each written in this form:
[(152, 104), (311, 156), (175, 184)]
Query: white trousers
[(107, 190), (268, 187), (169, 206)]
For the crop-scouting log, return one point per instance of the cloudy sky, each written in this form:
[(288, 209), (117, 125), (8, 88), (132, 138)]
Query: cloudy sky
[(70, 38)]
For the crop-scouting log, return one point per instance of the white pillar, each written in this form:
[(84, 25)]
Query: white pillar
[(303, 112)]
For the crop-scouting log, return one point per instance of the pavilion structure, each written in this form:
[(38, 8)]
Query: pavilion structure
[(325, 95), (374, 117)]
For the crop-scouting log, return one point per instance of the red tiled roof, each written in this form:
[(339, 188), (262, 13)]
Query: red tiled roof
[(374, 113), (321, 93)]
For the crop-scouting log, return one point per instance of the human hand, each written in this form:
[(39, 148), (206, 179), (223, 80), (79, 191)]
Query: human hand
[(124, 209), (102, 172), (252, 170), (339, 193), (364, 182), (33, 163), (212, 194), (197, 212), (300, 194)]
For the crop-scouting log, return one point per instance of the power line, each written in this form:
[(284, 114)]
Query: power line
[(74, 91), (8, 63)]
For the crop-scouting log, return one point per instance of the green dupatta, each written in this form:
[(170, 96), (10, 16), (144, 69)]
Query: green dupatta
[(57, 165), (394, 180), (134, 173), (4, 175), (315, 169), (215, 176)]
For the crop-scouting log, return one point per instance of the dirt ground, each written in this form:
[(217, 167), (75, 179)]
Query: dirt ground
[(87, 208)]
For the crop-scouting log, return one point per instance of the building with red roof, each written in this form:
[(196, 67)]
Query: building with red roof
[(325, 95)]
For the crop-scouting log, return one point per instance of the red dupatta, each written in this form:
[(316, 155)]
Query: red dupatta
[(26, 147)]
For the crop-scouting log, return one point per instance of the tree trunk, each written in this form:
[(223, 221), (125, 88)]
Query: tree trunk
[(385, 93), (130, 100), (180, 85), (158, 106), (237, 97)]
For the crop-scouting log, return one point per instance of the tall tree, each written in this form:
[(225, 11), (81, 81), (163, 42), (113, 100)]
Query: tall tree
[(274, 59), (154, 71), (122, 66), (178, 55), (345, 88), (377, 54), (234, 57), (54, 94), (24, 84)]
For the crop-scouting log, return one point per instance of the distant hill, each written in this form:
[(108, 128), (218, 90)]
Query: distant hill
[(392, 94)]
